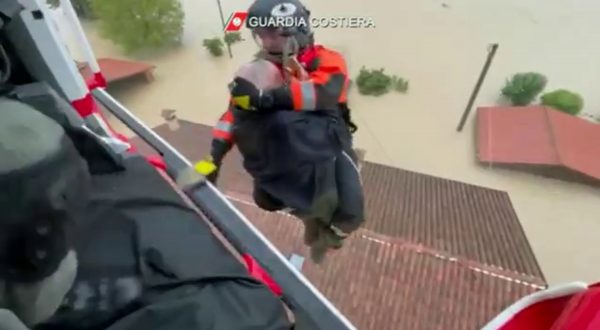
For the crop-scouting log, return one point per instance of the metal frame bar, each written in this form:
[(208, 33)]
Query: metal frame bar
[(486, 66), (312, 310), (224, 32), (43, 52)]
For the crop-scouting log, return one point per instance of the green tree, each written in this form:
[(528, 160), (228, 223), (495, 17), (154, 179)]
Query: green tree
[(564, 100), (376, 82), (83, 8), (214, 46), (232, 37), (524, 87), (373, 82), (139, 25)]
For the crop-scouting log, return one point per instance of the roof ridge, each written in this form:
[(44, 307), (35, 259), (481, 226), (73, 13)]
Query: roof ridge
[(476, 266), (528, 280)]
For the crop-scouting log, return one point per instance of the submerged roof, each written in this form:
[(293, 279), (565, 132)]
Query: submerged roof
[(538, 136), (116, 70), (434, 253)]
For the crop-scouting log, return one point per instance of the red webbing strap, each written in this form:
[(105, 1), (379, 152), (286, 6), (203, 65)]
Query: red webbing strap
[(260, 274), (86, 106)]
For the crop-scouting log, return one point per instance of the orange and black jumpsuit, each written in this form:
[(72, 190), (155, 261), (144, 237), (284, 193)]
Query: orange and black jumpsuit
[(326, 89)]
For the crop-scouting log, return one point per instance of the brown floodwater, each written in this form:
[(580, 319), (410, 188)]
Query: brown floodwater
[(440, 46)]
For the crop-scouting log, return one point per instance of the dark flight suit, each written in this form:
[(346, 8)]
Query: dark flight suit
[(302, 158)]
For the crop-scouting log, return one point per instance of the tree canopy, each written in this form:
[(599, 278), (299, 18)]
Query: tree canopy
[(140, 24)]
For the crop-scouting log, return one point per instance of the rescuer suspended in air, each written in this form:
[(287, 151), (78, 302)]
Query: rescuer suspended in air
[(294, 135)]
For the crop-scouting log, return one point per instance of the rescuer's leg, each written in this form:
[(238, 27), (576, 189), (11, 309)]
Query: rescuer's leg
[(318, 233), (350, 213), (319, 215), (265, 201)]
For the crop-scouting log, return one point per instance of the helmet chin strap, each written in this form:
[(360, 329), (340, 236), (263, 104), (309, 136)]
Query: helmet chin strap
[(290, 48)]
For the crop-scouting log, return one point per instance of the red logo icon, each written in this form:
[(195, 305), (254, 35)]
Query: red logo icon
[(236, 21)]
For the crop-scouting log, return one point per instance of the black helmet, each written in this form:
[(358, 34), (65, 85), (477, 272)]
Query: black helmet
[(291, 17), (44, 186)]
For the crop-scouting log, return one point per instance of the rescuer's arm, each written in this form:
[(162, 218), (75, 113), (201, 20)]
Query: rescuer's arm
[(222, 136), (324, 89), (221, 144)]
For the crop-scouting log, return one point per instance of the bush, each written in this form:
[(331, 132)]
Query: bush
[(232, 37), (400, 84), (214, 46), (563, 100), (140, 24), (523, 88), (373, 82), (377, 82)]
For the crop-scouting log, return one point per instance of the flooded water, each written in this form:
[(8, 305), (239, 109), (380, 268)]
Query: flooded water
[(440, 46)]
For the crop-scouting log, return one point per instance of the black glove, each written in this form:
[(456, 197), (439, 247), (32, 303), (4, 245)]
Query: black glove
[(246, 96), (212, 177)]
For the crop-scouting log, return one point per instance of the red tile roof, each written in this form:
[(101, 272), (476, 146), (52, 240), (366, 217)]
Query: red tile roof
[(537, 135), (115, 70), (383, 283), (434, 253), (468, 221)]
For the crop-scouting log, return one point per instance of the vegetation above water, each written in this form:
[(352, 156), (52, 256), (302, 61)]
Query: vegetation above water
[(563, 100), (376, 82), (523, 88), (214, 46), (138, 25), (232, 38)]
